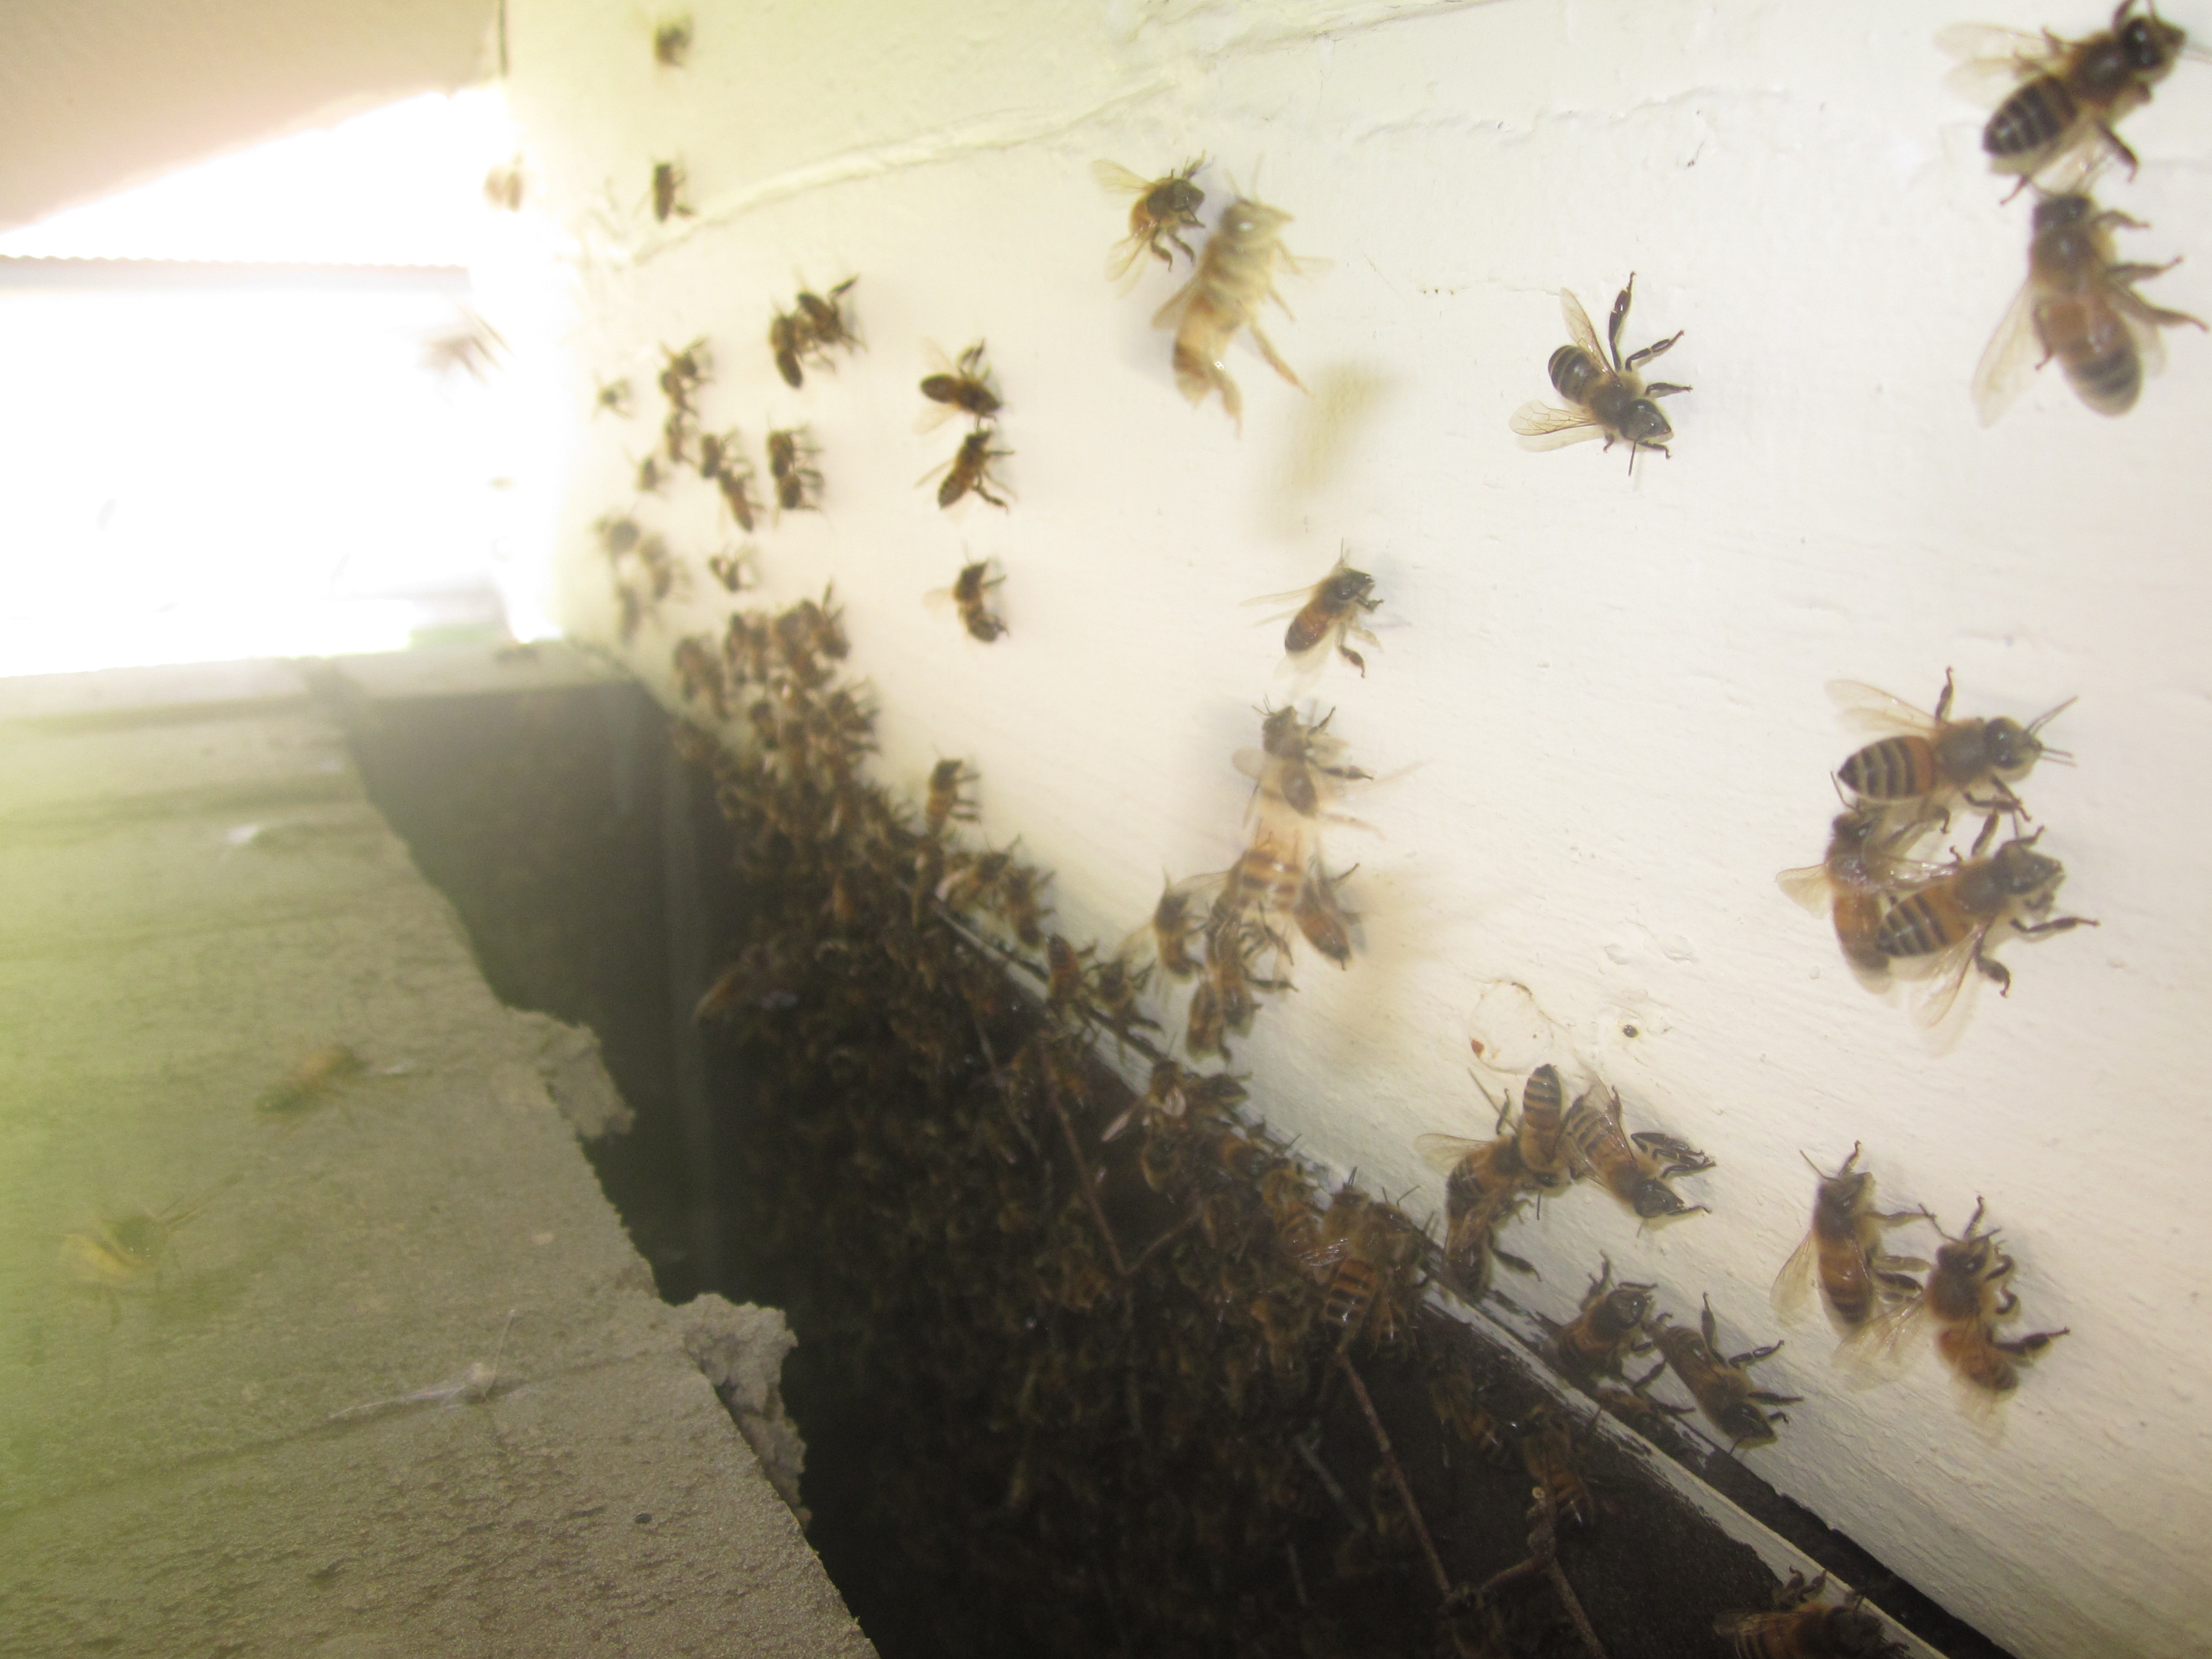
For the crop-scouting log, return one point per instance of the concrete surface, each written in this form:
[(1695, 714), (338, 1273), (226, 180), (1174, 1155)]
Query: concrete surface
[(398, 1384)]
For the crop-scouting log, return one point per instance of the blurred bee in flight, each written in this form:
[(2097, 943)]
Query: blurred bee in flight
[(1236, 276), (1163, 206)]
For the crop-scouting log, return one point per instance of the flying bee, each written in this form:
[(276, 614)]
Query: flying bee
[(1857, 880), (970, 595), (1596, 1146), (965, 387), (1330, 614), (2061, 97), (1843, 1254), (1722, 1387), (945, 802), (310, 1083), (1162, 207), (671, 42), (798, 485), (969, 470), (1604, 396), (1966, 1298), (1606, 1329), (119, 1253), (614, 395), (1325, 923), (1933, 759), (1798, 1627), (668, 181), (2079, 305), (1946, 924), (1236, 275)]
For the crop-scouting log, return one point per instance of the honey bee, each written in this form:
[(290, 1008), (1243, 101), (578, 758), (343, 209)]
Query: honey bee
[(965, 387), (736, 484), (671, 42), (1325, 923), (788, 344), (1235, 274), (945, 803), (1365, 1258), (970, 594), (1175, 922), (798, 486), (310, 1083), (1022, 906), (1946, 924), (1721, 1387), (2079, 305), (1966, 1298), (1331, 612), (970, 469), (699, 675), (1205, 1029), (503, 186), (1265, 881), (1483, 1180), (668, 180), (119, 1253), (1798, 1628), (1606, 1329), (1597, 1147), (1115, 987), (649, 475), (1065, 976), (1933, 759), (1297, 766), (825, 320), (2061, 96), (1164, 1099), (1452, 1397), (613, 395), (1542, 1116), (1855, 884), (630, 605), (1548, 1453), (729, 569), (1162, 207), (685, 371), (1843, 1254), (1613, 400), (1634, 1406)]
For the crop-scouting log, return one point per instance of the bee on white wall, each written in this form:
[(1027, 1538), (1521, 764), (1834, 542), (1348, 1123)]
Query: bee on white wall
[(1162, 207), (1606, 396), (1236, 275)]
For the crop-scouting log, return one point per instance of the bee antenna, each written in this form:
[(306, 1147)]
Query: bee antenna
[(2044, 719)]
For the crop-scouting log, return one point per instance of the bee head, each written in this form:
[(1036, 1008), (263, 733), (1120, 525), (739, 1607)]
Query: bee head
[(2020, 870), (1643, 423)]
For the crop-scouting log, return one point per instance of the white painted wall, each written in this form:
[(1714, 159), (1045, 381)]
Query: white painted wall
[(1602, 695)]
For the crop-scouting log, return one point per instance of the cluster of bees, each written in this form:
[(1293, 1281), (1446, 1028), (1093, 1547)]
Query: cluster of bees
[(2059, 102), (1896, 914)]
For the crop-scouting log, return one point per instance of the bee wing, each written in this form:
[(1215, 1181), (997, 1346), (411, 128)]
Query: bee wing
[(1166, 315), (1934, 1000), (1536, 422), (1578, 326), (1121, 260), (1444, 1154), (1871, 706), (1112, 175), (1992, 60), (1886, 1346), (2007, 359), (1808, 885), (1793, 1285)]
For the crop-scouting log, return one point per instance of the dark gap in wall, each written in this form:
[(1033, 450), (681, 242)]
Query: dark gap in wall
[(597, 878)]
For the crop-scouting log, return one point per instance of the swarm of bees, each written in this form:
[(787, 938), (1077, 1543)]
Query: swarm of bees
[(2058, 103), (1896, 913), (1606, 395)]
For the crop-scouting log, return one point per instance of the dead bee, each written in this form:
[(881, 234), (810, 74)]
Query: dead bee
[(1862, 873), (668, 180), (970, 595), (1933, 759), (1605, 395), (1966, 1298), (612, 395), (1235, 274), (1325, 923), (1162, 207), (1331, 612), (119, 1253), (2062, 95), (1798, 1628), (970, 469), (699, 675), (1945, 926), (965, 387), (310, 1083), (798, 486), (1597, 1147), (671, 42), (2079, 305), (1606, 1329), (503, 186), (1722, 1387), (1843, 1254), (946, 804)]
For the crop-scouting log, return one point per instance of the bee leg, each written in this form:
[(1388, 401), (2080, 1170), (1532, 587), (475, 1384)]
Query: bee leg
[(1353, 656), (1765, 1399), (2035, 1343), (1993, 970), (2057, 925), (1943, 702), (1665, 388), (1614, 323), (1755, 1355), (1518, 1264), (2119, 147), (1657, 348), (1274, 358)]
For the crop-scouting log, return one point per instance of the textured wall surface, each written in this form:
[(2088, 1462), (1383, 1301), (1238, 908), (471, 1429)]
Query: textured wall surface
[(1598, 709), (304, 1423)]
